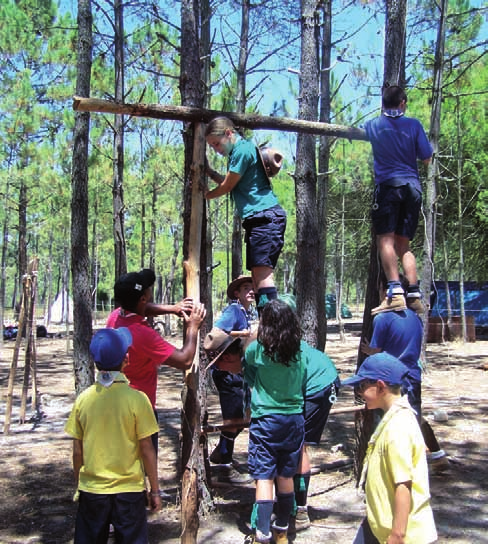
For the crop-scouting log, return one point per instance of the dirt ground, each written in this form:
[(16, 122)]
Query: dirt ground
[(35, 465)]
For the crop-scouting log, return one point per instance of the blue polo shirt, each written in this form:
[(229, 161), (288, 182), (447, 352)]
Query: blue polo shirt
[(400, 334), (398, 143), (253, 191), (233, 318)]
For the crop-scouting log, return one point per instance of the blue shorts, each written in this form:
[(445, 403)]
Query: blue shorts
[(125, 511), (233, 393), (396, 209), (413, 390), (317, 408), (275, 443), (265, 236)]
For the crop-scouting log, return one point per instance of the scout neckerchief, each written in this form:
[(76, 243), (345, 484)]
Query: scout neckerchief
[(400, 404), (393, 113), (108, 377)]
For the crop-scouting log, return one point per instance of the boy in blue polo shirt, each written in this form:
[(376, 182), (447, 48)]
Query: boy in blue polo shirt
[(111, 425), (398, 143)]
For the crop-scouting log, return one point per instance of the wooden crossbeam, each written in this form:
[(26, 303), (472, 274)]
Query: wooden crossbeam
[(191, 114), (233, 424)]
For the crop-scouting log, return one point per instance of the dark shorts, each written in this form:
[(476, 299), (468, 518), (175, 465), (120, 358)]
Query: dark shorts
[(413, 390), (233, 393), (125, 511), (396, 209), (275, 443), (365, 534), (317, 408), (265, 236)]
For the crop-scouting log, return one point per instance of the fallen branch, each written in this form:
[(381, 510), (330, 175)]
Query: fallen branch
[(195, 115)]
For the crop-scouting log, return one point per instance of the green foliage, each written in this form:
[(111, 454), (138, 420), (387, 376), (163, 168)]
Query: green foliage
[(37, 80)]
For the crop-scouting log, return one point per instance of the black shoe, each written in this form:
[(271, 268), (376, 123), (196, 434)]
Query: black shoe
[(217, 458)]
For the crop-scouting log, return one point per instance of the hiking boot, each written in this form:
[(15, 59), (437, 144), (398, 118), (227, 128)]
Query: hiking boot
[(395, 303), (229, 475), (300, 522), (280, 535), (416, 305)]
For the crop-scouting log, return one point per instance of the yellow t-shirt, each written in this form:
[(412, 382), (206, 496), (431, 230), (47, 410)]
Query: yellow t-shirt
[(399, 456), (110, 421)]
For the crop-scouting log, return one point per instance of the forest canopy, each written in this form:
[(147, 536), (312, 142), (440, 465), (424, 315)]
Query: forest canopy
[(37, 82)]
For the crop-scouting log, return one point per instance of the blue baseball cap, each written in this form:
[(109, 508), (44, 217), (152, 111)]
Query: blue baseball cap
[(380, 366), (109, 347)]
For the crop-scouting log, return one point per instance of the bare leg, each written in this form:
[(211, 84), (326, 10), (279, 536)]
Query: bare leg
[(388, 255), (262, 276), (409, 264)]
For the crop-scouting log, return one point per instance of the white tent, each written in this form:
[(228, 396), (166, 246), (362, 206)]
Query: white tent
[(62, 307)]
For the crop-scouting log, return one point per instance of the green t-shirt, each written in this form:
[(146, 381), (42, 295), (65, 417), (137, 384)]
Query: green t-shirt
[(253, 191), (276, 388), (321, 371), (110, 421)]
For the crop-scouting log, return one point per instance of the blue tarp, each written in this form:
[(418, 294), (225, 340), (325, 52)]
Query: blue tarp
[(475, 300)]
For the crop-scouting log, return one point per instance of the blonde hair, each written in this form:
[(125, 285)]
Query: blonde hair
[(218, 126)]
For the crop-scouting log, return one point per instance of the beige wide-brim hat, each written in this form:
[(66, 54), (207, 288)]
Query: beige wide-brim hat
[(216, 342), (272, 160), (235, 284)]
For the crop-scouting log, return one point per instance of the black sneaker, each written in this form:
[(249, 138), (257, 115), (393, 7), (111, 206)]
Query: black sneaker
[(217, 458)]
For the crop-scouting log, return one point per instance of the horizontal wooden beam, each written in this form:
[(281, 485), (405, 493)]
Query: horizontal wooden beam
[(244, 423), (189, 114)]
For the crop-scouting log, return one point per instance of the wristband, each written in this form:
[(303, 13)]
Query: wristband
[(155, 493)]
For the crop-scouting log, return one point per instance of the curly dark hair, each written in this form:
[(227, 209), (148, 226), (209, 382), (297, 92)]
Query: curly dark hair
[(279, 332)]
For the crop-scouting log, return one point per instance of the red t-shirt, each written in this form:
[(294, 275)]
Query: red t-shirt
[(147, 352)]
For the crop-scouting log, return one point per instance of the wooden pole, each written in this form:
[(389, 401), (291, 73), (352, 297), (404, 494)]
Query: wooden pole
[(13, 365), (232, 424), (191, 420), (201, 115), (30, 350)]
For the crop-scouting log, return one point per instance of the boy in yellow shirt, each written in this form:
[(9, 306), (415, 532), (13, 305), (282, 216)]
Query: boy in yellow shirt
[(395, 474), (111, 425)]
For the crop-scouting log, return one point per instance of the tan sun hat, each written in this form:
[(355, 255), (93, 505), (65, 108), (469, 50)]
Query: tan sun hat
[(216, 342), (235, 284), (272, 160)]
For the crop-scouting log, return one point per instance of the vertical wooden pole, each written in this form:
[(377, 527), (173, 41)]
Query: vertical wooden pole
[(13, 366), (191, 419)]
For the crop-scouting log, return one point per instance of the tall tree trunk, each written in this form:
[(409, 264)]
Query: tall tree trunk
[(394, 74), (118, 159), (194, 396), (82, 327), (459, 176), (430, 194), (324, 161), (395, 42), (240, 108), (308, 263)]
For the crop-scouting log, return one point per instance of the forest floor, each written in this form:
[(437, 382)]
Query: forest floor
[(35, 465)]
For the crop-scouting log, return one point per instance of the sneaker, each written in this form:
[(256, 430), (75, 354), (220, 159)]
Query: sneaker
[(395, 303), (253, 539), (438, 461), (280, 536), (228, 474), (300, 522), (416, 305)]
